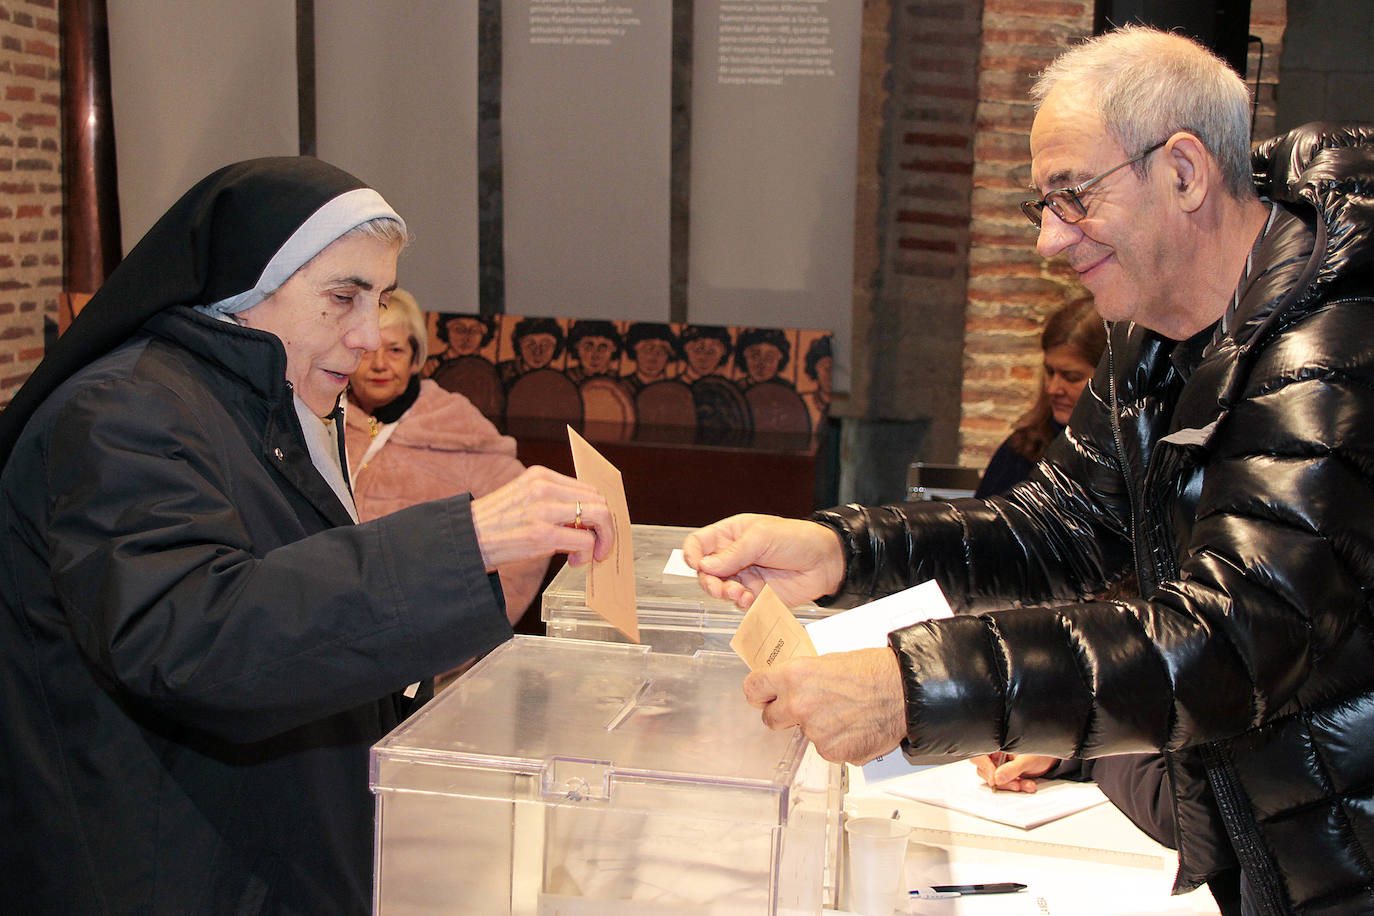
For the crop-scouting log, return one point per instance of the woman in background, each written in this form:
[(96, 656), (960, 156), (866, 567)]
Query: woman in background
[(1072, 342), (410, 441)]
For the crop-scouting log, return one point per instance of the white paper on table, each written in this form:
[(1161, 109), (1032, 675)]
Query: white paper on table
[(867, 626), (956, 786), (677, 566)]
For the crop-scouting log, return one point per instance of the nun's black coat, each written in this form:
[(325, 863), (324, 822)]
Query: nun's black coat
[(197, 647)]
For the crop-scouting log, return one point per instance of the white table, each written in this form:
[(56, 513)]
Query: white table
[(1093, 863)]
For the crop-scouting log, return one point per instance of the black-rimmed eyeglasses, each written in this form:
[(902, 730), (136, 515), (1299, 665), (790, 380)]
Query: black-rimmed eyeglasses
[(1065, 202)]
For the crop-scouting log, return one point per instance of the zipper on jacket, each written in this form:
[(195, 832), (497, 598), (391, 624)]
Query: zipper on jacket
[(1237, 815), (1120, 441)]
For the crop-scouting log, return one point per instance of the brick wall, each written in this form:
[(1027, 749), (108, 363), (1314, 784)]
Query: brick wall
[(30, 184), (1010, 288)]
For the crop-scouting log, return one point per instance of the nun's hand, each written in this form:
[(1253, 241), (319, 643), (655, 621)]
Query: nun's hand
[(541, 513)]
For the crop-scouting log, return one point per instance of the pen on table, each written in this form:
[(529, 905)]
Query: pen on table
[(945, 891)]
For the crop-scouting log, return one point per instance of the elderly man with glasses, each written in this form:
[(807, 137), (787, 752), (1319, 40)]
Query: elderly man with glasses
[(1222, 455)]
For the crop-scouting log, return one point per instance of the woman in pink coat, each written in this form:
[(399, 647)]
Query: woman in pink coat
[(409, 440)]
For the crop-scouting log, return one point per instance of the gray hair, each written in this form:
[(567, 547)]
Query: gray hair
[(383, 229), (404, 312), (1147, 84)]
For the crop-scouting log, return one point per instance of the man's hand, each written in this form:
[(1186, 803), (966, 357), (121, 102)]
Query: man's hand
[(849, 704), (1012, 772), (736, 557)]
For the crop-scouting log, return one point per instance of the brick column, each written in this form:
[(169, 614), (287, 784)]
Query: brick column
[(1010, 287), (30, 185)]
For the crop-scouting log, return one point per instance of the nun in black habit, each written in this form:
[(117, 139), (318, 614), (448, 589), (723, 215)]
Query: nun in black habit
[(197, 644)]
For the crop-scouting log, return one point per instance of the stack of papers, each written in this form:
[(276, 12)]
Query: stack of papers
[(867, 626), (956, 786), (770, 635)]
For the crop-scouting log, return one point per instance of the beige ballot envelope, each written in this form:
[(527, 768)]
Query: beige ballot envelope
[(769, 634), (610, 582)]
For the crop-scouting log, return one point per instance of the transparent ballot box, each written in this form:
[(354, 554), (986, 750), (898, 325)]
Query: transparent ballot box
[(570, 777), (675, 615)]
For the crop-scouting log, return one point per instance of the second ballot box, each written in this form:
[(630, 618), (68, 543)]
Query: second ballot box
[(675, 615), (566, 777)]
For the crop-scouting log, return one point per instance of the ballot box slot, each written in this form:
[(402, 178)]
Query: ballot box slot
[(631, 704)]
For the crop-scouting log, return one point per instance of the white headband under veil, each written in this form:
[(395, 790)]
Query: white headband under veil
[(340, 215)]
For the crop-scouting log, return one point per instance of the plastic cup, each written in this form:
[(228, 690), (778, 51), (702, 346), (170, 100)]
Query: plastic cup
[(877, 852)]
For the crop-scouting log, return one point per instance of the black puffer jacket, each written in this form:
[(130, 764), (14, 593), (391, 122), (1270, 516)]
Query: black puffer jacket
[(1234, 473)]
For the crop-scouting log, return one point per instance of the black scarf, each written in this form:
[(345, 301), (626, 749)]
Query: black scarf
[(212, 244), (394, 409)]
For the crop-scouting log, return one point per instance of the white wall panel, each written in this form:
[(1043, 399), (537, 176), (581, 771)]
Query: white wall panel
[(585, 116), (396, 105), (196, 86), (775, 91)]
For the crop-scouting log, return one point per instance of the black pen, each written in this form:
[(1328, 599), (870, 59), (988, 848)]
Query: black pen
[(946, 891)]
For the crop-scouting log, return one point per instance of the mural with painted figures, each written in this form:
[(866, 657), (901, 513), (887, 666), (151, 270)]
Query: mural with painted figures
[(650, 381)]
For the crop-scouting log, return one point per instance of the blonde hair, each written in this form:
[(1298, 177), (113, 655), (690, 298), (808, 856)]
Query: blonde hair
[(403, 311)]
